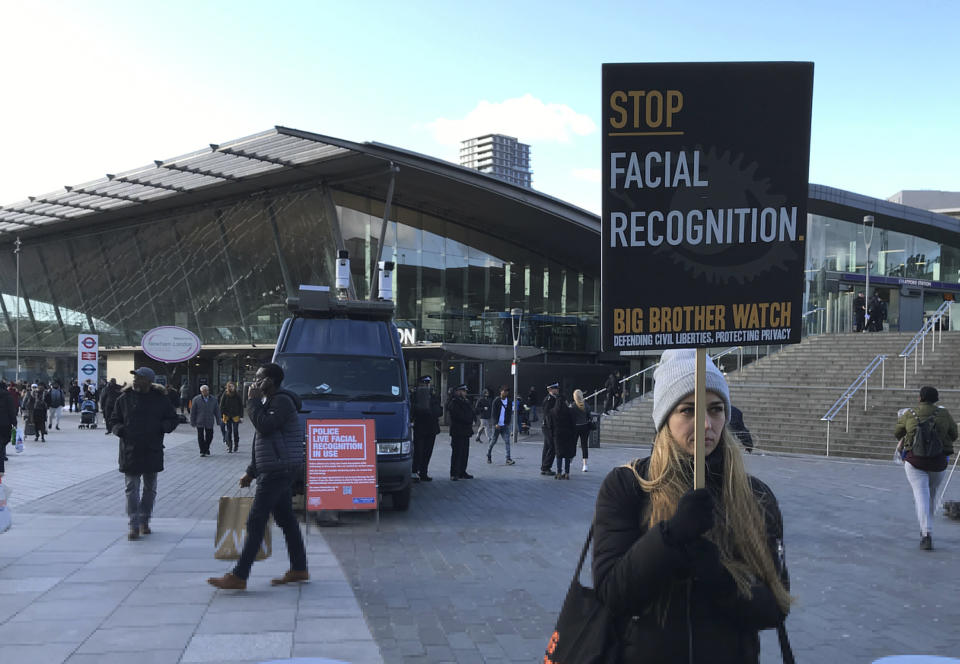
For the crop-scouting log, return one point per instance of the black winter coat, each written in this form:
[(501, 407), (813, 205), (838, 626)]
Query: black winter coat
[(140, 421), (461, 417), (496, 407), (564, 430), (632, 565), (108, 398), (549, 402), (279, 441)]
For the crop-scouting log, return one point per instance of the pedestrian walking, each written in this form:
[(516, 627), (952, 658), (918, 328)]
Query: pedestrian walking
[(583, 422), (426, 425), (8, 421), (461, 428), (204, 415), (610, 389), (549, 452), (926, 435), (279, 454), (689, 575), (142, 415), (184, 397), (231, 412), (564, 436), (39, 410), (55, 401), (501, 415), (533, 402), (108, 399), (74, 392), (739, 430), (483, 414)]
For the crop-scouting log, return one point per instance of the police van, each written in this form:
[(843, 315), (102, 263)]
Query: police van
[(343, 359)]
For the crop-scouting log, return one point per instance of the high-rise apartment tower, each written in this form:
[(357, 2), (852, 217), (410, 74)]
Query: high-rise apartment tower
[(503, 157)]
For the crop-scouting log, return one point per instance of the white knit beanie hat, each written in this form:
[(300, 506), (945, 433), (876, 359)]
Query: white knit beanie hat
[(675, 378)]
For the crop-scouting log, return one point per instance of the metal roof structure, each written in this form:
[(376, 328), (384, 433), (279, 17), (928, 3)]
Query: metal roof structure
[(282, 157), (245, 158)]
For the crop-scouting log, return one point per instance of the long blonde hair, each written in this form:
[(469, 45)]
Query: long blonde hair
[(578, 399), (739, 529)]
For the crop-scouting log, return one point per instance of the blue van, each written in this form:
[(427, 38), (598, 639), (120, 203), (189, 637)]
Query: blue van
[(343, 358)]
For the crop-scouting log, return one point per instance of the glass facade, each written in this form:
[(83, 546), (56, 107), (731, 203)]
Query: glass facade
[(224, 271), (837, 264)]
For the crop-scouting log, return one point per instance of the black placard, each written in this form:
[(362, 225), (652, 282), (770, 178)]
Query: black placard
[(705, 169)]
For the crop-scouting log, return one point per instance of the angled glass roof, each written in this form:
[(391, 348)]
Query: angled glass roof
[(233, 161)]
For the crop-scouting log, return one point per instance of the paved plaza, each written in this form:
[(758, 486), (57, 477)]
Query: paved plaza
[(474, 572)]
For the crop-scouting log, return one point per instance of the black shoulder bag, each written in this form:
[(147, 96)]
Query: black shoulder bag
[(585, 631)]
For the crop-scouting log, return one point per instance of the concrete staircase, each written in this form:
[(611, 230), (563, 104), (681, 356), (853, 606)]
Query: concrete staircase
[(784, 395)]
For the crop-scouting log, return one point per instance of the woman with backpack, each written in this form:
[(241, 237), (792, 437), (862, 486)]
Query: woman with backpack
[(689, 575), (926, 435)]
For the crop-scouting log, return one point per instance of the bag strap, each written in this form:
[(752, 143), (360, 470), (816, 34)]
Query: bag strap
[(785, 649), (583, 554)]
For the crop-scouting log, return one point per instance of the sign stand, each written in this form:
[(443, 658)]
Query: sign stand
[(700, 409)]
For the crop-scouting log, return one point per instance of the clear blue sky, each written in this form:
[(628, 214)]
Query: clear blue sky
[(106, 86)]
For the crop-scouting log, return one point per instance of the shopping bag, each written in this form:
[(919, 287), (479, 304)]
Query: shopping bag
[(585, 631), (232, 527), (5, 519), (29, 428)]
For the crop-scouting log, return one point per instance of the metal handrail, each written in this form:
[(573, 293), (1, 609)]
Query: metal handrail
[(620, 382), (936, 320), (844, 400)]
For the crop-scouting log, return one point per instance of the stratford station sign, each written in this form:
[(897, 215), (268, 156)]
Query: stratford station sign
[(705, 169)]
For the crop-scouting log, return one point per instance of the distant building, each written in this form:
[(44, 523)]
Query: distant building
[(503, 157), (941, 202)]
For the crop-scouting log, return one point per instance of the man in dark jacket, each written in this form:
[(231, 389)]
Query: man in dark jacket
[(141, 416), (501, 415), (279, 453), (108, 399), (461, 428), (739, 429), (549, 450), (8, 420), (55, 401), (74, 396), (426, 425)]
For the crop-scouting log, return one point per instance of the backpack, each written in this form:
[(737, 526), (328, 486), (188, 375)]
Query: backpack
[(926, 441)]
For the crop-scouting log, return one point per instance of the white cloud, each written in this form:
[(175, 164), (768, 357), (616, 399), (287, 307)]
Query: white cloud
[(527, 118), (587, 174)]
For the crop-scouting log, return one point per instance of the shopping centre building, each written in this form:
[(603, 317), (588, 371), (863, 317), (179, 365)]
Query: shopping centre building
[(215, 241)]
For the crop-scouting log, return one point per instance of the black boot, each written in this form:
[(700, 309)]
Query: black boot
[(926, 542)]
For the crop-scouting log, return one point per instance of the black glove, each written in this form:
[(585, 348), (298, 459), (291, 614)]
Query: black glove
[(693, 518), (709, 574)]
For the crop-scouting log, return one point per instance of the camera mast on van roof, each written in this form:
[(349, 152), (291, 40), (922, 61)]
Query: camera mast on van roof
[(315, 302)]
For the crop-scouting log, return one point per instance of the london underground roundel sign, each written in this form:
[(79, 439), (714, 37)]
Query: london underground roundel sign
[(170, 344)]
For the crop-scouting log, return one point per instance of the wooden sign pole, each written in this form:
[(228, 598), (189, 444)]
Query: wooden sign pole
[(700, 408)]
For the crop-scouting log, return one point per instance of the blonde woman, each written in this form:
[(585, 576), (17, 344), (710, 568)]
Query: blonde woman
[(691, 576), (582, 418)]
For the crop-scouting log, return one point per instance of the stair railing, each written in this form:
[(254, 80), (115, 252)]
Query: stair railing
[(643, 389), (933, 324), (861, 381)]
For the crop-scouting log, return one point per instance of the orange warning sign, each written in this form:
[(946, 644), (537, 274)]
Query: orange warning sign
[(341, 465)]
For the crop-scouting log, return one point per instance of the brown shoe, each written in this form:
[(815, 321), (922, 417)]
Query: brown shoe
[(145, 530), (291, 576), (228, 582)]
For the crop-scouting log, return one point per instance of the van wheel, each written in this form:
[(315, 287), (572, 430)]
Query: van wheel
[(401, 500)]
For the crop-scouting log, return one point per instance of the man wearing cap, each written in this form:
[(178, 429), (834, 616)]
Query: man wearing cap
[(141, 416), (461, 428), (549, 451), (426, 425)]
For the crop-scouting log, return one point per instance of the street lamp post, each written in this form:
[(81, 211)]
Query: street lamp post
[(516, 322), (867, 240), (16, 251)]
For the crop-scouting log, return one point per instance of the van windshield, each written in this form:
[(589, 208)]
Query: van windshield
[(342, 377)]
